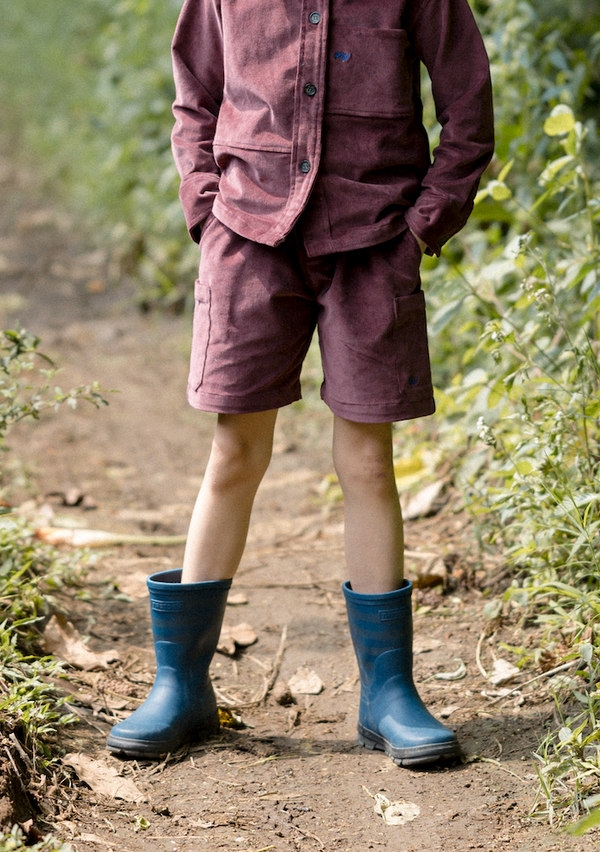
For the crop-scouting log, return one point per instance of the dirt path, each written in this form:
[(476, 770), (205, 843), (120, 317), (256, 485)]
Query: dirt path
[(292, 778)]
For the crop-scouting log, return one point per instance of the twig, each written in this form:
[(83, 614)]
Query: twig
[(18, 774), (268, 759), (267, 686), (276, 663), (262, 849), (478, 654), (81, 715), (497, 763), (24, 756), (315, 584), (549, 673), (421, 554), (308, 834)]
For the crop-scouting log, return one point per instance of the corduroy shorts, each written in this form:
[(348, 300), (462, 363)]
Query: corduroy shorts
[(256, 310)]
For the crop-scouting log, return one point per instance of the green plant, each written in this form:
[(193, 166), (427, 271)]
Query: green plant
[(532, 397), (31, 705), (19, 398), (15, 841)]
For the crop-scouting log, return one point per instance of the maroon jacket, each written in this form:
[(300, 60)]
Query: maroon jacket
[(291, 106)]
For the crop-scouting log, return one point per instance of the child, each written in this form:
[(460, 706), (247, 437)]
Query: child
[(307, 179)]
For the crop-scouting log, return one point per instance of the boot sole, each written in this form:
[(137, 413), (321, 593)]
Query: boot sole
[(415, 756), (129, 747)]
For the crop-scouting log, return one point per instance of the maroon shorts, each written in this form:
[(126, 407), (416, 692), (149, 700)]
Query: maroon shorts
[(257, 308)]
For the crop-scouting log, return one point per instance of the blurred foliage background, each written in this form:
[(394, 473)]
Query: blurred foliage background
[(86, 92)]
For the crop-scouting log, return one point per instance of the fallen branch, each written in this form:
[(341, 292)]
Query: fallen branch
[(100, 538)]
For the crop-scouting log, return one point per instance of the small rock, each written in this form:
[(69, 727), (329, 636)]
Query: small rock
[(305, 682), (283, 694)]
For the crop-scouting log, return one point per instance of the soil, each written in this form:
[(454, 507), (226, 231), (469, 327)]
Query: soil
[(292, 776)]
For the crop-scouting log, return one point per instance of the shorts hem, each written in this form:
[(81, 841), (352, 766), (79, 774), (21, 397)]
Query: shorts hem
[(204, 401), (385, 413)]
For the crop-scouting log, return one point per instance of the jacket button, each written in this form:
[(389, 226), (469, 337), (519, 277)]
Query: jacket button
[(310, 89), (305, 166), (314, 17)]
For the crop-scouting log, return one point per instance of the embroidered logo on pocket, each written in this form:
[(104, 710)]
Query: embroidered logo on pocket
[(343, 56)]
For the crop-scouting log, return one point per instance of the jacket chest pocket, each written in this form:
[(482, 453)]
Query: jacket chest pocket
[(369, 72)]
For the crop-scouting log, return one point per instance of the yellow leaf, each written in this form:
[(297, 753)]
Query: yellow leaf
[(408, 465), (496, 394), (524, 467), (499, 190), (561, 120)]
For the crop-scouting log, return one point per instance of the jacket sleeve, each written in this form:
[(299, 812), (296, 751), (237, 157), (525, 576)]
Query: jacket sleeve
[(197, 53), (446, 39)]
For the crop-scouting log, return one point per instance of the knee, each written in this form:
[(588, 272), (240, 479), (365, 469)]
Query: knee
[(369, 470), (238, 462)]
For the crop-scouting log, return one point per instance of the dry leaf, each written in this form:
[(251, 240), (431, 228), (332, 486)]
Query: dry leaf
[(103, 778), (394, 813), (305, 682), (458, 674), (229, 719), (423, 644), (446, 712), (348, 685), (503, 672), (240, 636), (433, 573), (134, 584), (64, 641), (423, 503)]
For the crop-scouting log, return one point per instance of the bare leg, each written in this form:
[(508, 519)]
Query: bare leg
[(374, 539), (240, 455)]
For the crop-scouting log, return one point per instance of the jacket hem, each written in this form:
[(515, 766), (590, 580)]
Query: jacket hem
[(357, 238)]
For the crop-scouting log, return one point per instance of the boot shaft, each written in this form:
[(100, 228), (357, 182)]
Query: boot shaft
[(381, 630), (186, 617)]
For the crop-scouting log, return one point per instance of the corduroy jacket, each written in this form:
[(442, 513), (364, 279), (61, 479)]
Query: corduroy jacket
[(292, 107)]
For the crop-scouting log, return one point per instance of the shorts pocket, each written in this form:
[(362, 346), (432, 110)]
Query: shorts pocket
[(403, 255), (200, 334), (412, 349), (369, 72)]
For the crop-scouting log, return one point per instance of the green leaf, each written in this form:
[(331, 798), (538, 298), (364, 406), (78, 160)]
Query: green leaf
[(585, 823), (571, 504), (554, 167), (492, 609), (561, 120)]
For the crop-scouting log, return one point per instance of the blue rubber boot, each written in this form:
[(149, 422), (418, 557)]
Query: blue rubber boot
[(392, 716), (181, 707)]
